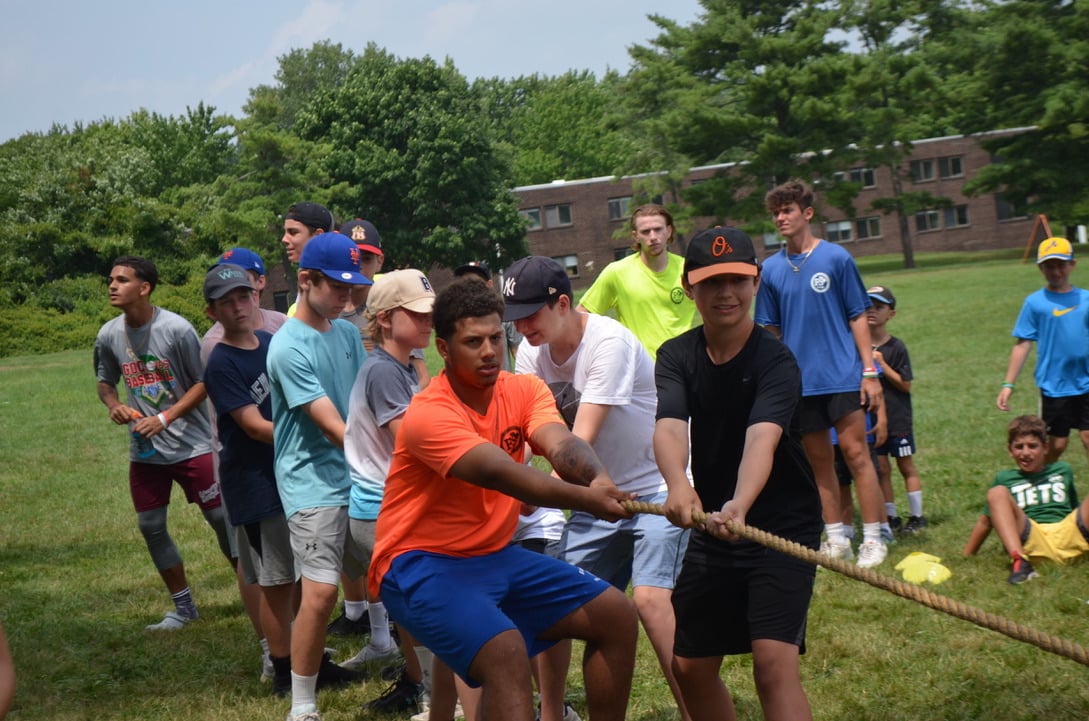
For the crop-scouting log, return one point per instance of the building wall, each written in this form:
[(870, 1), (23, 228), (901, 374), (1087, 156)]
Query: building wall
[(592, 238)]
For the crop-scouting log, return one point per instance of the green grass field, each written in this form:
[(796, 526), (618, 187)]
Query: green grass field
[(77, 587)]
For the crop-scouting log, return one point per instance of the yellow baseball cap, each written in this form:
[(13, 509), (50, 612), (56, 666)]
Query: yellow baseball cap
[(1054, 249)]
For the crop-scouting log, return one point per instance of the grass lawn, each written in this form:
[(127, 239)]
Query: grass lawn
[(77, 587)]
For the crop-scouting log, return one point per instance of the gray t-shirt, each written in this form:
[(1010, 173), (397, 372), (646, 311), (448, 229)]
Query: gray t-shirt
[(159, 362)]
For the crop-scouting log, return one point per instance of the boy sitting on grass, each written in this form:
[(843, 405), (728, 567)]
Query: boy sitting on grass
[(1034, 507)]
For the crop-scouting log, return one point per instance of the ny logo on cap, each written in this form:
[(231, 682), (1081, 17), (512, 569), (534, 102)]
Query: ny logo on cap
[(508, 286)]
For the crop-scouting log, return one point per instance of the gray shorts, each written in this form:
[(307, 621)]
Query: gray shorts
[(360, 544), (264, 549), (319, 538), (646, 549)]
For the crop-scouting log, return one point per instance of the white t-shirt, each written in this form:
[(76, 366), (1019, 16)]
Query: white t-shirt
[(612, 368)]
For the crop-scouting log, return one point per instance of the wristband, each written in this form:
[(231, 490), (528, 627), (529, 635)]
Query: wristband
[(163, 419), (869, 373), (1007, 384)]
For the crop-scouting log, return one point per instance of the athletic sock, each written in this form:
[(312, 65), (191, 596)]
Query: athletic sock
[(354, 610), (834, 531), (890, 509), (915, 502), (183, 603), (304, 693), (871, 532), (380, 637)]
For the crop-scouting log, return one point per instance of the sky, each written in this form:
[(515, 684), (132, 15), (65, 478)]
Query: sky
[(67, 61)]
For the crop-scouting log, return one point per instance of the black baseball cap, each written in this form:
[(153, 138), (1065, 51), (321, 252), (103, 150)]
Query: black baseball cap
[(530, 283), (312, 215), (718, 251), (364, 235), (882, 294), (477, 267)]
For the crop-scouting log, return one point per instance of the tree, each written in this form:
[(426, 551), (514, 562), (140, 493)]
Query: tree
[(410, 151), (301, 75)]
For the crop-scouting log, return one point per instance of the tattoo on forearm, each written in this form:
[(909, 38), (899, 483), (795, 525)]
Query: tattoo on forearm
[(575, 461)]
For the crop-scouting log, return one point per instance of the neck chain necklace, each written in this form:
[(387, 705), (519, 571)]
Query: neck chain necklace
[(786, 256)]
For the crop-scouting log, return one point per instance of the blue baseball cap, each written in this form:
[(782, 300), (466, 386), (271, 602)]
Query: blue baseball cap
[(335, 256), (245, 258)]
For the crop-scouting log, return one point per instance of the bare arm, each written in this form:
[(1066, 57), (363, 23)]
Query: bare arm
[(761, 440), (589, 420), (250, 420), (7, 675), (978, 536), (1018, 356), (152, 425), (119, 412), (891, 374), (671, 453), (327, 418), (871, 394)]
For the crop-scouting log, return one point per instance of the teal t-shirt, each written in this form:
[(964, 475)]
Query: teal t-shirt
[(303, 366)]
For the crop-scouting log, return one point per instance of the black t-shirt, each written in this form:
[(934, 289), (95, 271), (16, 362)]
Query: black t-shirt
[(761, 384), (897, 403)]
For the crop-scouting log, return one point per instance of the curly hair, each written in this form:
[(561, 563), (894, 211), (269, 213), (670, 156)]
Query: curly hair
[(792, 191), (464, 298), (1026, 426)]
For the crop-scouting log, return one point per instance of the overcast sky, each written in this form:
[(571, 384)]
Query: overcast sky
[(63, 61)]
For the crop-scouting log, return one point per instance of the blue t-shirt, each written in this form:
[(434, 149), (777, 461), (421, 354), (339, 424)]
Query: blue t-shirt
[(236, 378), (812, 308), (303, 366), (1059, 324)]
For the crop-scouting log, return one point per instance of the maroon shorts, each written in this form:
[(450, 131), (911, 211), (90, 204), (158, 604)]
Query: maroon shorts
[(150, 483)]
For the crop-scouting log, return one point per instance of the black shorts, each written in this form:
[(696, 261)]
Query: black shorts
[(1062, 414), (720, 611), (819, 413)]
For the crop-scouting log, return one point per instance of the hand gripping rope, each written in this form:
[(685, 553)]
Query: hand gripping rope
[(910, 591)]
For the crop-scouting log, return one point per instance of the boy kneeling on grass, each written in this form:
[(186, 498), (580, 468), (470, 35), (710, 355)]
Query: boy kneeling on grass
[(1034, 507)]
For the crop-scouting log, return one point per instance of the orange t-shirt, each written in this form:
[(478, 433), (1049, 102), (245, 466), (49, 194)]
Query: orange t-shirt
[(426, 509)]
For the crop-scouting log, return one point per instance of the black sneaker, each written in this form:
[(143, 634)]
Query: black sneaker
[(915, 524), (331, 675), (281, 676), (344, 626), (392, 672), (1021, 570), (895, 523), (402, 696)]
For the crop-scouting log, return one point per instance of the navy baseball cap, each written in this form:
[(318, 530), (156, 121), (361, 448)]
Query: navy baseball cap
[(363, 234), (335, 256), (530, 283), (477, 267), (245, 258)]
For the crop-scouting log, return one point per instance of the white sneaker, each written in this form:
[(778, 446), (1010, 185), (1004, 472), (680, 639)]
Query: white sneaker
[(371, 654), (872, 553), (841, 551), (304, 716), (425, 712), (268, 671), (172, 621)]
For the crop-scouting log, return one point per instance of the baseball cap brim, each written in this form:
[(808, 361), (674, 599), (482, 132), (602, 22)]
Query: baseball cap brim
[(518, 311), (1055, 256), (420, 305), (344, 276), (881, 298), (227, 288), (701, 274), (369, 248)]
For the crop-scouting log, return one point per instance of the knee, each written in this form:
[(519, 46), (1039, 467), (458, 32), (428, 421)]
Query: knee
[(152, 524)]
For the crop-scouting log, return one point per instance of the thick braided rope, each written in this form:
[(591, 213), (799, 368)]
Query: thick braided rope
[(910, 591)]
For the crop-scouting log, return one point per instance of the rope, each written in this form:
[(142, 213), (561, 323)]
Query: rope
[(1016, 631)]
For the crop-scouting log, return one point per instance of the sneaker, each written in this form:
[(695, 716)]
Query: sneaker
[(569, 714), (915, 524), (330, 675), (268, 671), (1021, 571), (425, 712), (887, 537), (172, 621), (304, 716), (401, 696), (371, 654), (895, 523), (393, 671), (872, 553), (344, 626), (841, 551)]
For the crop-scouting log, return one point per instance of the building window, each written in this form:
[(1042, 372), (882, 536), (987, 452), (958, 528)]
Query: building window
[(557, 215), (772, 239), (922, 170), (1004, 209), (281, 300), (570, 263), (928, 220), (956, 217), (619, 253), (866, 228), (838, 231), (951, 167), (862, 176), (532, 217), (619, 208)]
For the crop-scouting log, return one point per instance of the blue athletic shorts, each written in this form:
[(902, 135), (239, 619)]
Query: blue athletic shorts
[(646, 549), (454, 606)]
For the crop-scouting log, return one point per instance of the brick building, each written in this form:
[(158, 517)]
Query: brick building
[(577, 222)]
